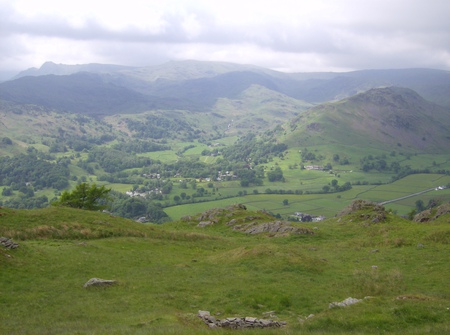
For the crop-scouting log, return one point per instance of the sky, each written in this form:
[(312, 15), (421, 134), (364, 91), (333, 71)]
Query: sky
[(284, 35)]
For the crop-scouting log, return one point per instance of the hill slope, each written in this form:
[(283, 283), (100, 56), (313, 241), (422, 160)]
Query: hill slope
[(83, 92), (383, 117), (166, 273)]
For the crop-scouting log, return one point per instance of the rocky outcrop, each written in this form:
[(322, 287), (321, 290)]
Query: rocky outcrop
[(358, 205), (97, 282), (369, 212), (274, 227), (247, 222), (8, 243), (238, 322), (432, 214)]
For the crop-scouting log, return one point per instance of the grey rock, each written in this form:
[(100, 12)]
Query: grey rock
[(97, 282), (347, 302), (236, 322), (8, 243), (204, 224)]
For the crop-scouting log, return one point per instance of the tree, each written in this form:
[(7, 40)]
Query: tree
[(7, 192), (419, 206), (7, 141), (85, 196), (276, 175), (285, 202)]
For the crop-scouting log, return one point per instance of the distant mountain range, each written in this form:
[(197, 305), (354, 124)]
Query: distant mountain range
[(63, 69), (198, 85), (407, 107)]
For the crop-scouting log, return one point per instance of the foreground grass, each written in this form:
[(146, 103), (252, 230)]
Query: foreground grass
[(167, 273)]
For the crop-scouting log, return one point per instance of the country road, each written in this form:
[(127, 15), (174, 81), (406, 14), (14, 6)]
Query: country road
[(407, 196)]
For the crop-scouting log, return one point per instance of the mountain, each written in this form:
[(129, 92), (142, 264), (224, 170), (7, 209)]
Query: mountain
[(82, 92), (251, 98), (63, 69), (197, 86), (189, 69), (380, 117), (430, 84)]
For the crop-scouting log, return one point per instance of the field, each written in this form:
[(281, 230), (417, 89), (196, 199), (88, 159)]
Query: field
[(331, 203), (166, 273)]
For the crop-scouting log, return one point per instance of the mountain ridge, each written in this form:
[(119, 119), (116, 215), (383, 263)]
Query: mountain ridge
[(176, 79)]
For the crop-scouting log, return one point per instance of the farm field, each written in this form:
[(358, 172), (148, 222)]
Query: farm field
[(330, 204)]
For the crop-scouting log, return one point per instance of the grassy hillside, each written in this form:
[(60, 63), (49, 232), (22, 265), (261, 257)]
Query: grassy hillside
[(379, 118), (167, 273)]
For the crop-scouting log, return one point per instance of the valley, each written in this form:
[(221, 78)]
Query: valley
[(195, 135), (232, 189)]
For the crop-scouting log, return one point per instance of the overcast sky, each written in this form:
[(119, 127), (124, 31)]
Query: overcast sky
[(285, 35)]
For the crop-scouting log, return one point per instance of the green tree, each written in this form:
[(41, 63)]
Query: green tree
[(7, 192), (7, 141), (420, 206), (85, 196), (276, 175), (285, 202)]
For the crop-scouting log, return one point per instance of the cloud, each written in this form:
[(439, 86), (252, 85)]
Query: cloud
[(291, 35)]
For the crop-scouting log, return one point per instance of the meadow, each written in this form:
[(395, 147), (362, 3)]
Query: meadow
[(166, 273)]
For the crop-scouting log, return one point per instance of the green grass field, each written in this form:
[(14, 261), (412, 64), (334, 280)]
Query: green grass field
[(166, 273), (324, 204)]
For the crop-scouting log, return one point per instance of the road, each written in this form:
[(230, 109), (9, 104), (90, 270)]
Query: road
[(407, 196)]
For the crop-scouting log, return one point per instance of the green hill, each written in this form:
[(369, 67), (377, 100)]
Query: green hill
[(379, 118), (166, 273)]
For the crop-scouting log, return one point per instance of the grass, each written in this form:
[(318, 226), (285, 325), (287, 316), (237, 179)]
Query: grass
[(166, 273)]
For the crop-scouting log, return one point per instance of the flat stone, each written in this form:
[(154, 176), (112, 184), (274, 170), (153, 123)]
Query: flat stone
[(97, 282)]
